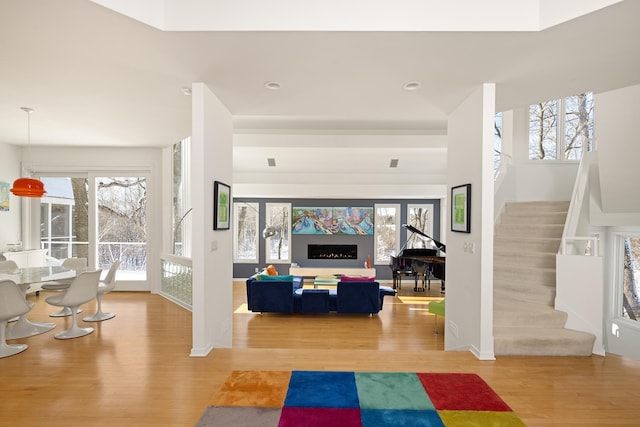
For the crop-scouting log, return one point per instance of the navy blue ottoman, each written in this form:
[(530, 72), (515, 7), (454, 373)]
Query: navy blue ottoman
[(315, 301)]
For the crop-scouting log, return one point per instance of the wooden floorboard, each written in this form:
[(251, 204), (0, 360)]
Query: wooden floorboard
[(135, 369)]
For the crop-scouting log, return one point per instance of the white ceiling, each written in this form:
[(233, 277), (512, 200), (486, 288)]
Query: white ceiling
[(97, 77)]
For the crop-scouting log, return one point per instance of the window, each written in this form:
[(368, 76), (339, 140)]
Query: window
[(421, 217), (387, 232), (182, 220), (64, 221), (278, 240), (630, 279), (561, 129), (497, 141), (122, 216), (246, 235)]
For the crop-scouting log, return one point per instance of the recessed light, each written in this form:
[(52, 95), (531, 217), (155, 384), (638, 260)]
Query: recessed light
[(272, 85), (186, 91), (393, 163), (411, 86)]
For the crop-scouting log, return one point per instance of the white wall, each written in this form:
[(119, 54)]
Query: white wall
[(469, 306), (10, 222), (211, 159), (618, 149)]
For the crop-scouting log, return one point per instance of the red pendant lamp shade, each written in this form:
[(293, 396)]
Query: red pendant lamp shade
[(28, 187)]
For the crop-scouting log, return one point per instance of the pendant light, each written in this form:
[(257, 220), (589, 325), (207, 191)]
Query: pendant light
[(28, 187)]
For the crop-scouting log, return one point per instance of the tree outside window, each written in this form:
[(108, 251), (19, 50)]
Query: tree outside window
[(246, 235), (561, 129), (387, 232), (421, 217), (278, 218)]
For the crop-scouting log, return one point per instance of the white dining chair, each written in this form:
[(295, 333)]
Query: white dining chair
[(58, 285), (105, 286), (23, 328), (12, 304), (83, 289)]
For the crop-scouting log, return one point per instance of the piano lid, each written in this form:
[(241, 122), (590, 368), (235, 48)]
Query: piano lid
[(438, 244)]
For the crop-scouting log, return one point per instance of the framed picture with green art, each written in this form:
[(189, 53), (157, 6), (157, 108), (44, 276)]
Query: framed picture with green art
[(461, 208), (221, 206)]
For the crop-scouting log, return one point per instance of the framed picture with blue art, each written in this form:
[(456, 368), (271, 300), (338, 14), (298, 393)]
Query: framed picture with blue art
[(4, 196)]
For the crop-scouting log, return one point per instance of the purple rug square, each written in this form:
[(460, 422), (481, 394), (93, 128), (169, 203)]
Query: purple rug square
[(322, 389), (320, 417), (400, 417)]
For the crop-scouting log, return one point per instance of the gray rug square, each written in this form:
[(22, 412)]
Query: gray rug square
[(239, 416)]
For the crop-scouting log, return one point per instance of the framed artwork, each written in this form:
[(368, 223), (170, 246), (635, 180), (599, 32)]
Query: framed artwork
[(4, 196), (461, 208), (221, 205)]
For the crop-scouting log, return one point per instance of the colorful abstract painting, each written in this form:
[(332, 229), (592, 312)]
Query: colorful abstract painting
[(332, 220)]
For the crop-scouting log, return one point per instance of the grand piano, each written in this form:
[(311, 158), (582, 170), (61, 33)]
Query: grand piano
[(418, 261)]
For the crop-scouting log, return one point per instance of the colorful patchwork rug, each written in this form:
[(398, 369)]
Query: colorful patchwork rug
[(350, 399)]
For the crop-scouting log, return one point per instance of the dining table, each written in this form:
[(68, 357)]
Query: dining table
[(24, 278)]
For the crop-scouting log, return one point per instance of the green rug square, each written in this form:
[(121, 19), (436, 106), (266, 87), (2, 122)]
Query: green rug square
[(391, 390)]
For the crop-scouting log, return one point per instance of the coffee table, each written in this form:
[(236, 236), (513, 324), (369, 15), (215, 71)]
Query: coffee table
[(326, 280)]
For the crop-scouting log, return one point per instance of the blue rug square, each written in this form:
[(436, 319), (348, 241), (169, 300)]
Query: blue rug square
[(320, 389), (395, 418)]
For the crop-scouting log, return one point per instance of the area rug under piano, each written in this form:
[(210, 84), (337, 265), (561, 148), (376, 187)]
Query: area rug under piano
[(350, 399)]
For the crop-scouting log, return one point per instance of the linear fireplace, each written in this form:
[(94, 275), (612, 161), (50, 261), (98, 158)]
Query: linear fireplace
[(332, 251)]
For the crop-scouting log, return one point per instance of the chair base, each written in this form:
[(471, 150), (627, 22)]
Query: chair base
[(23, 328), (7, 350), (73, 333), (64, 312), (99, 317)]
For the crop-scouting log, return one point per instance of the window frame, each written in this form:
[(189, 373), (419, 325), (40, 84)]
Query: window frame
[(268, 222), (393, 251), (255, 206)]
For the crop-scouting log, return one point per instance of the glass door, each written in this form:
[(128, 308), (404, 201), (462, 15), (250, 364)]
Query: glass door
[(121, 225)]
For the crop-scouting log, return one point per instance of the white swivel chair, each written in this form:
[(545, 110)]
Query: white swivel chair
[(83, 289), (23, 328), (106, 286), (58, 285), (12, 304)]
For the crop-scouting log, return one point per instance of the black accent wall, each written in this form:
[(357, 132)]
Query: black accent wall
[(365, 244)]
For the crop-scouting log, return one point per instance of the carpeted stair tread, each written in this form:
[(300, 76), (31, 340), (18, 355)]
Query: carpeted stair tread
[(514, 341), (544, 318), (525, 246)]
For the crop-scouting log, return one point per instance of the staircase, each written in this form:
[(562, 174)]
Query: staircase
[(525, 321)]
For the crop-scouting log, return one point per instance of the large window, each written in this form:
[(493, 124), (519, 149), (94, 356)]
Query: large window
[(561, 129), (387, 234), (278, 236), (246, 232), (117, 205), (421, 217)]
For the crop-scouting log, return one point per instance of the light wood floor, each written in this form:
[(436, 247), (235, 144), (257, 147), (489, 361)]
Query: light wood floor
[(134, 370)]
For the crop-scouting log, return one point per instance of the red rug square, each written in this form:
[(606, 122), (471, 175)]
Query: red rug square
[(461, 392)]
